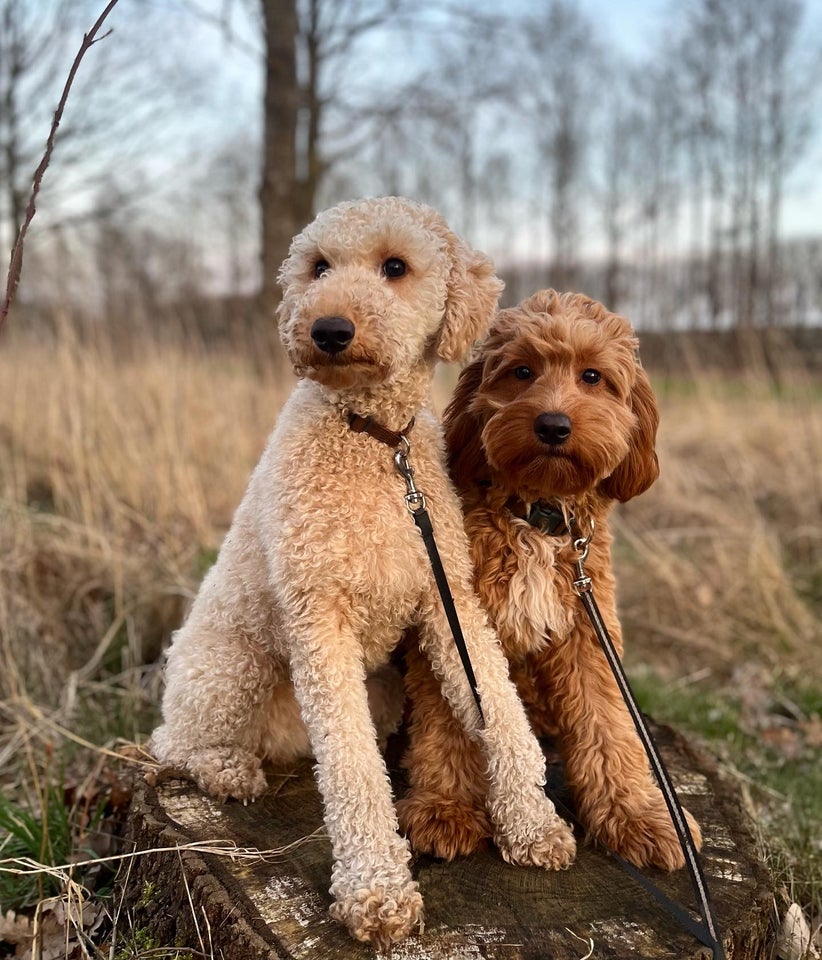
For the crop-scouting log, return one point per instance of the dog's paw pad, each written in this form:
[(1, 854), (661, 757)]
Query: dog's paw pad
[(379, 916)]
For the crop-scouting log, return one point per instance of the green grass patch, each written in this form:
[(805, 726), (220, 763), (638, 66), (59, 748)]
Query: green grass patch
[(46, 832), (139, 943), (777, 750), (712, 716)]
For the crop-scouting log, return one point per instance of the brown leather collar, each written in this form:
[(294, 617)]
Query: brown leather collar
[(391, 438)]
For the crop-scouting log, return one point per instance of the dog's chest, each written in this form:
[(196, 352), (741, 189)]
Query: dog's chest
[(340, 529), (532, 597)]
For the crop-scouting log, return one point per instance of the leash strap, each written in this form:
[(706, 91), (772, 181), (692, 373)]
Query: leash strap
[(423, 522), (707, 931), (415, 501)]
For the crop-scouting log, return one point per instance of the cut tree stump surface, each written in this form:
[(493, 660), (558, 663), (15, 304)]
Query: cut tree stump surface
[(477, 907)]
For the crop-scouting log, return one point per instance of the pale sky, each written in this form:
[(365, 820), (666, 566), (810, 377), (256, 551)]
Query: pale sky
[(224, 103)]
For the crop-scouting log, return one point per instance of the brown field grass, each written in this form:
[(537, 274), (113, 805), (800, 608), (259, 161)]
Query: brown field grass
[(119, 474), (719, 562)]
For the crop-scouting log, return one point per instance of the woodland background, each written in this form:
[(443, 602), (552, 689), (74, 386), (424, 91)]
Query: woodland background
[(677, 179)]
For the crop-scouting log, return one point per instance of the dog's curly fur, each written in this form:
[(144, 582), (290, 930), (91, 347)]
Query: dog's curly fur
[(532, 364), (323, 569)]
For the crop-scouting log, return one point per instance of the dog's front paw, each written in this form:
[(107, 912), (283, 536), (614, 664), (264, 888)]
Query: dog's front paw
[(645, 835), (442, 827), (552, 846), (380, 916)]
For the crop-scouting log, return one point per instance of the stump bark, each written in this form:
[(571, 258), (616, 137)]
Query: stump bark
[(276, 905)]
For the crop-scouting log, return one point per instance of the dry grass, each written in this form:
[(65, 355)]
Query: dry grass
[(118, 477), (117, 480), (720, 563)]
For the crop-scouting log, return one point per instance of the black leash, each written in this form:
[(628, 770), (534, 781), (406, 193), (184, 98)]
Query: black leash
[(706, 930), (552, 520), (415, 501)]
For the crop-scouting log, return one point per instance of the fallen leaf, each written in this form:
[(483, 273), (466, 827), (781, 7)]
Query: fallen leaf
[(793, 942), (59, 929), (15, 928)]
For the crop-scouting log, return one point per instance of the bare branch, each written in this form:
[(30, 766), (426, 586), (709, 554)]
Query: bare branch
[(16, 263), (222, 22)]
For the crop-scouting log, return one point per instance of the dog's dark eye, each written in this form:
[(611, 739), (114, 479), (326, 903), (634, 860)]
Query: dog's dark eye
[(394, 268), (591, 376), (523, 373), (321, 267)]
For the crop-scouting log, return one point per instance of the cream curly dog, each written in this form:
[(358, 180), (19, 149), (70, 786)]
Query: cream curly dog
[(323, 567)]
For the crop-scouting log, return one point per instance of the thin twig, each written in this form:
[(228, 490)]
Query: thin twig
[(190, 902), (26, 866), (16, 264)]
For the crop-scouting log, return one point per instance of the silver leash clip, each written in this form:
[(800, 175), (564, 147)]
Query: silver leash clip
[(414, 498), (582, 583)]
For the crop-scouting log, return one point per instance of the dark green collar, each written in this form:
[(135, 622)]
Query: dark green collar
[(548, 518), (544, 515)]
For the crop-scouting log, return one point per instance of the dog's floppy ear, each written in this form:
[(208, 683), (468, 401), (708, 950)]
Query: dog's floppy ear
[(640, 467), (472, 294), (463, 430)]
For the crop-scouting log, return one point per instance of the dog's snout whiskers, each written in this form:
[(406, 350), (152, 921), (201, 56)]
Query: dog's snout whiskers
[(553, 428)]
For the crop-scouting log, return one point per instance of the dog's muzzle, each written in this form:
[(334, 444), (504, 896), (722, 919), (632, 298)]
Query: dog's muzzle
[(332, 334)]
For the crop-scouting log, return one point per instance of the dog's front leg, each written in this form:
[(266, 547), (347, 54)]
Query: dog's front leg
[(444, 812), (374, 894), (527, 828), (605, 762)]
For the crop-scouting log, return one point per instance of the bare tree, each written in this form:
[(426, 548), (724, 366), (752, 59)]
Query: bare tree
[(620, 138), (310, 68), (110, 135), (560, 102), (746, 103), (28, 39), (279, 210)]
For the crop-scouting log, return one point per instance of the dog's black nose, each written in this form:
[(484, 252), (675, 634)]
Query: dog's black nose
[(552, 428), (332, 334)]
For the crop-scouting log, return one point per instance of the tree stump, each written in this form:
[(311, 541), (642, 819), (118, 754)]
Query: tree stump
[(276, 905)]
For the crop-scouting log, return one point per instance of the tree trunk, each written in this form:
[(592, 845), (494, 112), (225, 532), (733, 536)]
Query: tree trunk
[(278, 186), (277, 905)]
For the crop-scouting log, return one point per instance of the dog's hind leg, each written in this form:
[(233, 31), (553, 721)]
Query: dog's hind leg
[(213, 710)]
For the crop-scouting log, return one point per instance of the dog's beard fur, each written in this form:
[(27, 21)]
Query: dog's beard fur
[(344, 371)]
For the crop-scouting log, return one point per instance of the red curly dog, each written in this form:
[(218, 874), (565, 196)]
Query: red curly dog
[(554, 414)]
